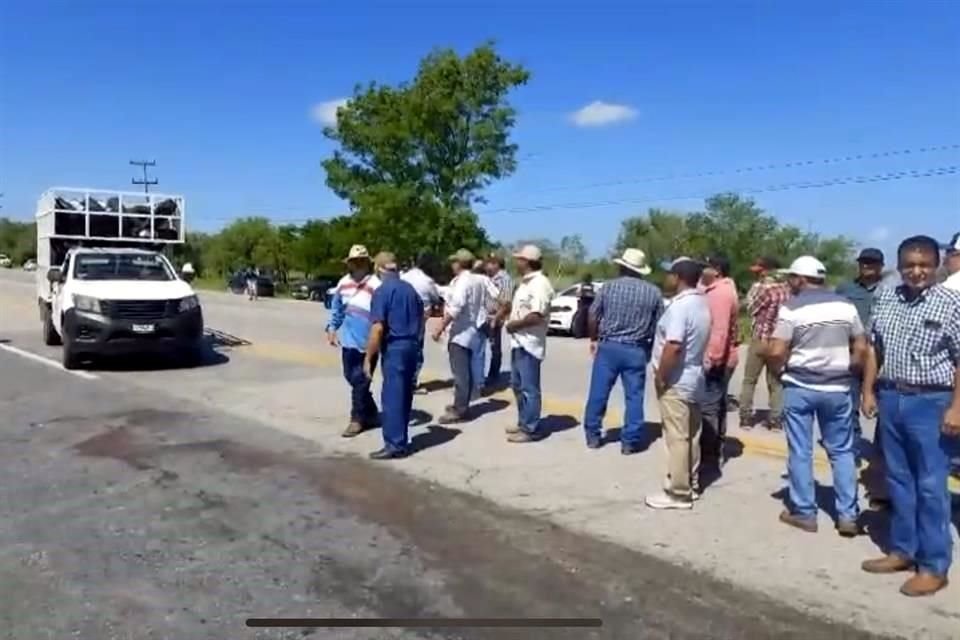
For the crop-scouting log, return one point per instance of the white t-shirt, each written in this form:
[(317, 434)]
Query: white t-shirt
[(533, 295), (953, 282), (425, 286)]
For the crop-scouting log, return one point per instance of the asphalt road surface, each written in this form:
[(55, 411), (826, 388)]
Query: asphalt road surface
[(129, 512)]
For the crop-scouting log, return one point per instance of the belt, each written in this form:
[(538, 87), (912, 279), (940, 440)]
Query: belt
[(906, 387), (644, 344)]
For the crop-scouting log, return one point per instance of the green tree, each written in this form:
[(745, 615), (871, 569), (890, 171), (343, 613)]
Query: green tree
[(18, 240), (572, 254), (413, 159)]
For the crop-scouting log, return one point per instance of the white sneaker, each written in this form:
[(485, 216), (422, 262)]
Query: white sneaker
[(666, 501), (695, 493)]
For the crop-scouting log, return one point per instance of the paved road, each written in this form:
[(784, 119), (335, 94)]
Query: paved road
[(131, 511)]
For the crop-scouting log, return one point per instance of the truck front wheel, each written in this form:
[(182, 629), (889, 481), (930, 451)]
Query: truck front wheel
[(50, 336), (70, 359)]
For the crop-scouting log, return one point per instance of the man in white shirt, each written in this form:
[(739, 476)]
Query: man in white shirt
[(952, 262), (430, 295), (529, 316), (464, 313)]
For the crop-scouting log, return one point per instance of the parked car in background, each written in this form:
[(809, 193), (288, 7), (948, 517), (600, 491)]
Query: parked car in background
[(30, 265), (5, 261), (314, 289), (237, 283), (563, 309)]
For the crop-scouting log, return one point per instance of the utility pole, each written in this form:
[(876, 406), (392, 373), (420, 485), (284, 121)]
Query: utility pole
[(146, 182)]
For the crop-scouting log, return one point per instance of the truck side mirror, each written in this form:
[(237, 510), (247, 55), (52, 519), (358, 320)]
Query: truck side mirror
[(188, 276), (54, 275)]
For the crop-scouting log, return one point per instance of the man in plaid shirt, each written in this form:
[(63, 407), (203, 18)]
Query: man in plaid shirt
[(911, 385), (763, 302), (496, 270)]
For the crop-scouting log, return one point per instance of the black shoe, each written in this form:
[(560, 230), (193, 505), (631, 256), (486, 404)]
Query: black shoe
[(389, 454), (629, 449), (594, 443)]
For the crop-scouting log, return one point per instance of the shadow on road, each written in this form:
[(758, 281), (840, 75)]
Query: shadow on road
[(419, 418), (552, 424), (490, 406), (434, 437), (652, 431), (208, 356), (436, 385)]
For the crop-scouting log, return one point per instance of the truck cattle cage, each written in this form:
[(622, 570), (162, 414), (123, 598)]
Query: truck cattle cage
[(103, 216)]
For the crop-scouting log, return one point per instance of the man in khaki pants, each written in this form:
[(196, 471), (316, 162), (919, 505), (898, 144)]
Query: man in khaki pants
[(763, 302), (678, 355)]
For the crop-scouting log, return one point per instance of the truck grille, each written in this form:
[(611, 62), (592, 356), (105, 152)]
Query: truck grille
[(136, 309)]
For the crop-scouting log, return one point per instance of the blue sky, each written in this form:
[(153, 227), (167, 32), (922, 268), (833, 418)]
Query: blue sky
[(225, 95)]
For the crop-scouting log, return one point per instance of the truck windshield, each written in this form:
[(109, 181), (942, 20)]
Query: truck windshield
[(107, 266)]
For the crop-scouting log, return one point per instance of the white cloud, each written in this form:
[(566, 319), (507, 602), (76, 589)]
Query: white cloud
[(325, 113), (600, 114), (879, 234)]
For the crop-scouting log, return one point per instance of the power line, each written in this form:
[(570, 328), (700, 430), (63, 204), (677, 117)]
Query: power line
[(146, 182), (790, 186), (885, 177), (755, 168)]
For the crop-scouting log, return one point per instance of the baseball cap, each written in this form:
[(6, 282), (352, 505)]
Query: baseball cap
[(807, 267), (953, 246), (463, 255), (667, 265), (718, 262), (529, 252), (871, 255), (765, 263)]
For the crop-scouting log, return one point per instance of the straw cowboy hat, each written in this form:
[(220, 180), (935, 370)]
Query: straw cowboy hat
[(635, 260), (357, 252)]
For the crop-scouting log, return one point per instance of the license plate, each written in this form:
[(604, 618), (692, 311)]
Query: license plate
[(143, 328)]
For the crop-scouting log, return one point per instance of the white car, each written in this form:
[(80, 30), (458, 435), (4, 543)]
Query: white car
[(564, 308), (5, 261), (30, 265)]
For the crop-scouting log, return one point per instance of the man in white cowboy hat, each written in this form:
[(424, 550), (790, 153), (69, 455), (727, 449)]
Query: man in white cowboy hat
[(529, 315), (621, 326), (349, 329)]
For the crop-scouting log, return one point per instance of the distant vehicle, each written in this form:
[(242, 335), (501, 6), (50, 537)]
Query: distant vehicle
[(238, 284), (563, 309), (314, 290), (5, 261), (30, 265), (104, 286)]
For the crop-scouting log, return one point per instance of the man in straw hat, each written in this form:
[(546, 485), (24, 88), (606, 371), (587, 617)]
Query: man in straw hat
[(349, 329), (397, 317), (464, 314), (621, 326), (529, 315)]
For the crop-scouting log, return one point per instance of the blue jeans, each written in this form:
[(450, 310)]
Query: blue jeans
[(525, 381), (855, 391), (362, 407), (420, 346), (832, 410), (478, 357), (396, 396), (629, 363), (915, 452)]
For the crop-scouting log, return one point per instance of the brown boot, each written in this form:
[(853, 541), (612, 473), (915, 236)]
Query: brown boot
[(353, 429), (848, 528), (804, 524), (890, 563), (923, 584)]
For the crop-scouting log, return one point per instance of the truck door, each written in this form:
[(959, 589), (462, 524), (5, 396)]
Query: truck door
[(56, 308)]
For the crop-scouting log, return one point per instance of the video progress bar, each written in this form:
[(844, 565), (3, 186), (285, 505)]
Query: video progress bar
[(427, 623)]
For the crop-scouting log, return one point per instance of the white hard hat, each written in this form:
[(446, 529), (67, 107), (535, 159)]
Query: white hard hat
[(187, 268)]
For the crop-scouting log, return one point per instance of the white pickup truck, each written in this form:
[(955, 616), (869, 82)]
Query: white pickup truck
[(104, 286)]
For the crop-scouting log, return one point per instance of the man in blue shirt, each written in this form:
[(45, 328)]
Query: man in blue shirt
[(621, 324), (910, 384), (396, 317)]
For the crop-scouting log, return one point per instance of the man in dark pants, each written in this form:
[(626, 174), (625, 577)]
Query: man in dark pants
[(349, 329), (496, 270), (396, 316), (721, 359), (861, 292)]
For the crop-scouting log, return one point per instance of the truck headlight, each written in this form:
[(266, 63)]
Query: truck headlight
[(188, 304), (86, 303)]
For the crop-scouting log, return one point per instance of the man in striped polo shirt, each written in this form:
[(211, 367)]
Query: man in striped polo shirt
[(817, 344), (349, 329)]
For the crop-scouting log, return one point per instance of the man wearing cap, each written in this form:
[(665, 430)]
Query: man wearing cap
[(679, 349), (763, 301), (478, 352), (349, 328), (396, 316), (817, 345), (529, 315), (721, 358), (952, 262), (911, 385), (862, 292), (496, 269), (621, 326), (464, 314)]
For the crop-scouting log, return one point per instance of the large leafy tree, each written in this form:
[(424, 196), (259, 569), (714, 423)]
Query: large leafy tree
[(412, 160)]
